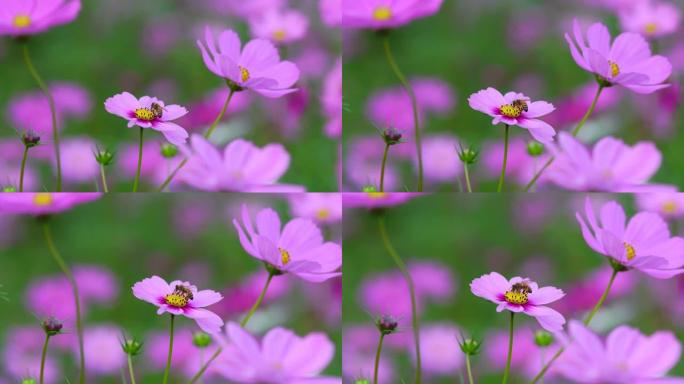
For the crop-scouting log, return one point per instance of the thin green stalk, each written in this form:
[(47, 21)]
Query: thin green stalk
[(23, 168), (507, 371), (377, 358), (382, 168), (130, 369), (409, 281), (168, 359), (469, 370), (207, 134), (104, 179), (467, 177), (42, 357), (505, 160), (70, 277), (414, 105), (53, 111), (140, 157), (575, 132)]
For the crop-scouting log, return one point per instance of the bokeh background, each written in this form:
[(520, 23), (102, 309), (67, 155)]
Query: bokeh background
[(149, 48), (470, 45), (121, 239), (447, 242)]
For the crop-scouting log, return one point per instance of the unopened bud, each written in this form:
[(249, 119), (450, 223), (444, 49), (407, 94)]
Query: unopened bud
[(30, 139), (535, 148), (52, 326), (386, 324), (470, 347), (543, 338), (169, 150), (104, 157), (201, 339), (391, 136), (131, 347)]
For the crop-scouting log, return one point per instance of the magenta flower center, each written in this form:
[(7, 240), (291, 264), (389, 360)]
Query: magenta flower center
[(518, 293), (614, 68), (145, 114), (382, 13), (284, 256), (180, 297), (510, 110), (21, 21), (42, 199), (631, 253), (244, 74)]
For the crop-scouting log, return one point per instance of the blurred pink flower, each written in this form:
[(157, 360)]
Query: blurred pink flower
[(526, 357), (521, 166), (247, 9), (102, 346), (383, 14), (583, 294), (439, 350), (241, 297), (331, 12), (666, 204), (186, 356), (298, 248), (22, 355), (256, 67), (331, 99), (97, 284), (43, 203), (571, 108), (30, 17), (362, 163), (142, 112), (78, 160), (375, 200), (326, 300), (203, 112), (644, 243), (650, 18), (321, 207), (440, 159), (282, 26), (10, 176), (280, 357), (521, 295), (181, 298), (627, 62), (358, 355)]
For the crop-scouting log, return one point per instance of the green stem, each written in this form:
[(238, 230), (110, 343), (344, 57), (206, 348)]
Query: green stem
[(168, 359), (467, 177), (469, 370), (593, 312), (53, 111), (130, 369), (23, 168), (140, 156), (207, 134), (70, 277), (377, 358), (409, 281), (104, 178), (575, 132), (382, 168), (510, 351), (42, 357), (505, 160), (414, 105)]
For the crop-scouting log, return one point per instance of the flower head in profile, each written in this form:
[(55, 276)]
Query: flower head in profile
[(280, 357), (668, 204), (650, 18), (149, 112), (241, 167), (383, 14), (282, 26), (521, 295), (298, 248), (320, 207), (515, 109), (43, 203), (626, 356), (627, 61), (181, 298), (256, 67), (30, 17), (642, 243)]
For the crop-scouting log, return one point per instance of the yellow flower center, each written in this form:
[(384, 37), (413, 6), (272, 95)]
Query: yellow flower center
[(509, 110), (377, 195), (516, 297), (631, 253), (614, 68), (244, 74), (278, 35), (145, 114), (42, 199), (651, 28), (382, 13), (322, 214), (669, 207), (284, 256), (21, 21), (176, 300)]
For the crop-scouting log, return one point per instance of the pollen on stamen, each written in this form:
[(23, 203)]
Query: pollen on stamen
[(382, 13), (244, 74), (284, 256), (510, 111), (614, 68), (144, 114), (42, 199), (176, 300), (631, 252), (513, 297), (21, 21)]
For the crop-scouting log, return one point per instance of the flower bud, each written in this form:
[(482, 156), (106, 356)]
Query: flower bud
[(9, 188), (104, 157), (369, 189), (391, 136), (30, 139), (386, 324), (535, 148), (362, 381), (470, 347), (543, 338), (131, 347), (201, 339), (169, 150), (29, 381), (468, 155), (52, 326)]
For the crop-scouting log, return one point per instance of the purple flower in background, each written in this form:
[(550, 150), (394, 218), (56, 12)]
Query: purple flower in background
[(102, 345), (149, 112), (282, 26), (247, 9), (437, 349), (21, 355), (644, 243), (43, 203), (241, 167), (78, 160), (298, 248), (29, 17), (627, 62), (651, 18), (526, 358), (181, 298), (321, 207), (374, 200), (440, 159), (256, 67), (521, 295), (611, 166), (331, 98), (666, 204), (241, 297), (331, 12), (626, 356), (521, 166), (382, 14), (571, 108), (358, 354), (515, 109), (204, 111), (186, 356), (280, 357), (584, 293)]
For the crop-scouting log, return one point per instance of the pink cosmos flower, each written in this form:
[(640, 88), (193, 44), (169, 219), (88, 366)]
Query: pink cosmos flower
[(521, 165), (21, 355), (611, 166), (515, 109), (280, 357), (256, 67), (440, 159), (666, 204), (644, 243), (584, 293), (382, 14), (29, 17), (78, 160), (242, 296), (626, 357), (43, 203), (297, 249), (627, 62), (331, 12), (527, 357), (521, 295), (321, 207), (102, 345), (242, 167), (651, 18), (331, 98), (187, 358), (375, 200), (181, 298), (145, 113), (282, 26), (571, 108), (437, 349)]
